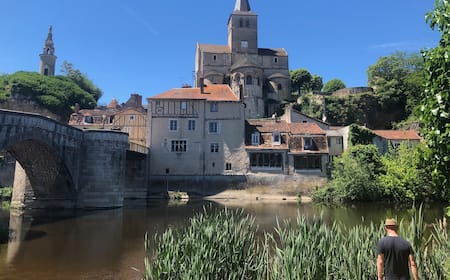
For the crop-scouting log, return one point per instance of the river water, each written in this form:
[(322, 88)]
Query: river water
[(109, 244)]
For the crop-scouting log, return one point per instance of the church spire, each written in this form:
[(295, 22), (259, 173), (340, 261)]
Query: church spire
[(242, 6), (48, 58)]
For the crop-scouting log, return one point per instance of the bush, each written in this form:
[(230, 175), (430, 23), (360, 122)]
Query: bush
[(406, 178), (354, 176)]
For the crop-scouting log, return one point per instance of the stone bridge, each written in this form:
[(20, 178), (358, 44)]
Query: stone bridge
[(58, 165)]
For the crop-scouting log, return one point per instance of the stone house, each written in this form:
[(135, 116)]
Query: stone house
[(276, 146), (258, 76), (386, 139), (196, 132)]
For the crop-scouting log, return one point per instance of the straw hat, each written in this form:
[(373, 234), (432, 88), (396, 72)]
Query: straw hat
[(390, 222)]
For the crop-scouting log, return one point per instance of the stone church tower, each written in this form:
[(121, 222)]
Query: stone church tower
[(48, 58), (258, 76)]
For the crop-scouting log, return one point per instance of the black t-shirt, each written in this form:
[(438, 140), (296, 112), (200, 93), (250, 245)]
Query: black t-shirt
[(396, 253)]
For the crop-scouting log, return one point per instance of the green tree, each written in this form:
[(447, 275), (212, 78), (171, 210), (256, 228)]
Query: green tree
[(81, 80), (405, 176), (56, 93), (435, 101), (316, 83), (300, 79), (354, 176), (333, 85), (398, 80)]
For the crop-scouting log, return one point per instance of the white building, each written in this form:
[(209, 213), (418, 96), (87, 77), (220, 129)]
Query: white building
[(197, 131)]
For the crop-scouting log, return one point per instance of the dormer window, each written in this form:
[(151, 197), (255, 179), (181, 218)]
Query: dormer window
[(276, 138), (255, 138)]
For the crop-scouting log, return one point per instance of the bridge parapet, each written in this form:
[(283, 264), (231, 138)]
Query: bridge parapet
[(64, 166)]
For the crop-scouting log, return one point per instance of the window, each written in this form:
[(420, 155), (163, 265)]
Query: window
[(266, 160), (248, 80), (214, 57), (131, 117), (308, 163), (276, 139), (255, 138), (279, 86), (191, 125), (178, 146), (228, 166), (213, 107), (244, 44), (173, 125), (213, 127), (241, 22), (275, 59), (247, 23), (309, 144), (183, 105), (88, 119), (214, 147)]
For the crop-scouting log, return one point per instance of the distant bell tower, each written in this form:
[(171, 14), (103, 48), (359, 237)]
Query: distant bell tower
[(48, 58), (243, 29)]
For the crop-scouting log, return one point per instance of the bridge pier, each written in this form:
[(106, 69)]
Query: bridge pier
[(102, 169)]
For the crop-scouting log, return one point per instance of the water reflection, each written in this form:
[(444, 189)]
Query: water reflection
[(107, 244)]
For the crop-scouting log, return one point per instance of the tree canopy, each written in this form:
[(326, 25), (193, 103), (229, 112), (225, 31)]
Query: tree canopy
[(303, 81), (333, 85), (56, 93), (81, 80), (435, 99)]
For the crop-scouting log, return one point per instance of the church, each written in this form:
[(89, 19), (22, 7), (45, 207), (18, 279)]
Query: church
[(258, 76)]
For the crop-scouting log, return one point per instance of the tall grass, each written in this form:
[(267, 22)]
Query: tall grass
[(223, 245)]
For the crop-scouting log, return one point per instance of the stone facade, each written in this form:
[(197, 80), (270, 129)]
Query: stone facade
[(62, 166), (258, 76)]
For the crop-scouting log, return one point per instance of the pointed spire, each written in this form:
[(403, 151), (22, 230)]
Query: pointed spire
[(49, 41), (242, 6)]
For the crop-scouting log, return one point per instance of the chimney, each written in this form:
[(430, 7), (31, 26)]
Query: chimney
[(202, 85)]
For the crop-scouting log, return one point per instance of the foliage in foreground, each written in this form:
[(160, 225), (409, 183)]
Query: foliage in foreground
[(435, 99), (308, 249)]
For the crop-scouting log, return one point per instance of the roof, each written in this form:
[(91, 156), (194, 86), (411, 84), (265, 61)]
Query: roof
[(270, 125), (214, 48), (211, 93), (242, 6), (272, 52), (398, 134)]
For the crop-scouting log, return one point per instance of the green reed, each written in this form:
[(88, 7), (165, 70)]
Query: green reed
[(221, 244)]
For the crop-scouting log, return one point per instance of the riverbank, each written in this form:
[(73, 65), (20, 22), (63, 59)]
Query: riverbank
[(261, 194)]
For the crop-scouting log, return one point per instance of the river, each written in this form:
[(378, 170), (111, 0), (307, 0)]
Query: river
[(107, 244)]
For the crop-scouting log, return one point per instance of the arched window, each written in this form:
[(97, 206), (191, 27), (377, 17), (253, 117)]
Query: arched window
[(248, 80)]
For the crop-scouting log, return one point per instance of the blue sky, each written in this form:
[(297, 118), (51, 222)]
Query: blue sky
[(148, 47)]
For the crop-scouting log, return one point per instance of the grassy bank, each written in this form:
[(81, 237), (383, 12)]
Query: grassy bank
[(221, 244)]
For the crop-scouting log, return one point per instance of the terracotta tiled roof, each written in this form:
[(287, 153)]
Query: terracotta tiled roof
[(398, 134), (266, 126), (214, 48), (211, 93)]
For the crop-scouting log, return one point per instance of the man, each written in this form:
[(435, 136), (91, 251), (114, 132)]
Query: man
[(394, 255)]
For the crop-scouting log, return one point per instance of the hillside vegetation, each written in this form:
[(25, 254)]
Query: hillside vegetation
[(58, 94)]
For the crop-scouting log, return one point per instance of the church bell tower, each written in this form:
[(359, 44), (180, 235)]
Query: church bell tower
[(48, 58), (243, 29)]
